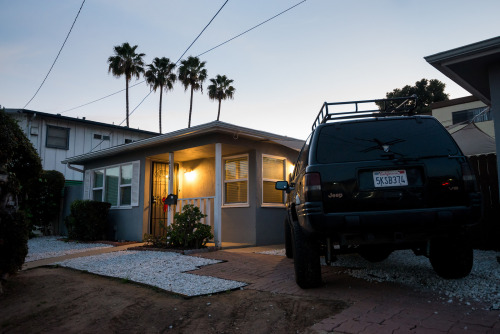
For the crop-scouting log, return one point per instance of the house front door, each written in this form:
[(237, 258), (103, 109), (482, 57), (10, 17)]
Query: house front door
[(159, 191)]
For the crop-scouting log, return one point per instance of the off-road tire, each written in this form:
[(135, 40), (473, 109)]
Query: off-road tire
[(451, 258), (376, 253), (306, 259), (288, 239)]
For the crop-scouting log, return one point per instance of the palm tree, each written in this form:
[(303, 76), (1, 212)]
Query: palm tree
[(126, 62), (192, 74), (220, 89), (160, 75)]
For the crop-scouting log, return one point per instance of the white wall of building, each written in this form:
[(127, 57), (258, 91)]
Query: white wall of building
[(81, 140)]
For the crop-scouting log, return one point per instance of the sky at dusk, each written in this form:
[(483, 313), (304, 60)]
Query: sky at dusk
[(321, 50)]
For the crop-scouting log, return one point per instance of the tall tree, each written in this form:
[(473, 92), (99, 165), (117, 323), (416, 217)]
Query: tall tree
[(126, 62), (160, 75), (192, 73), (220, 89), (427, 91)]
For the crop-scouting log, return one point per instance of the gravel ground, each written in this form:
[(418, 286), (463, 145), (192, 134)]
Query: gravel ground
[(482, 285), (165, 270), (47, 247)]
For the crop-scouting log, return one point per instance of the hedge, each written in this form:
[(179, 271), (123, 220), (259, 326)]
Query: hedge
[(88, 220)]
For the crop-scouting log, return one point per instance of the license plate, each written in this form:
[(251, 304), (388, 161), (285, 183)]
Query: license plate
[(390, 178)]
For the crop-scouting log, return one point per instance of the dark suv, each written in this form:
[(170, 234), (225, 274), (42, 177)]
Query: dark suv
[(375, 181)]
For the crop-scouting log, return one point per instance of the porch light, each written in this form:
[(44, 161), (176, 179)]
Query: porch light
[(291, 168), (190, 176)]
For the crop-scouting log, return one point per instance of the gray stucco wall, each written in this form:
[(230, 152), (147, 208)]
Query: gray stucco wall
[(125, 223), (269, 226), (239, 223)]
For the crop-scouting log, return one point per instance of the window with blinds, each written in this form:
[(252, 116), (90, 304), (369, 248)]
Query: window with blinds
[(273, 169), (236, 180)]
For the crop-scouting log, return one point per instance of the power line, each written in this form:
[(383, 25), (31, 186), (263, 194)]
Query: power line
[(145, 80), (105, 97), (109, 134), (56, 56), (102, 98), (201, 32), (275, 16), (215, 47)]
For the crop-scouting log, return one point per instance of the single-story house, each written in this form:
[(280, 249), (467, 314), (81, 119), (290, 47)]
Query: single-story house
[(227, 170)]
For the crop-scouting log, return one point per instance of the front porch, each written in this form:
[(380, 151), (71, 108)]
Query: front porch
[(225, 182)]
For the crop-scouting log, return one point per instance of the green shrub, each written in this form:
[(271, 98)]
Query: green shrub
[(88, 220), (187, 231), (14, 234), (19, 164), (45, 199)]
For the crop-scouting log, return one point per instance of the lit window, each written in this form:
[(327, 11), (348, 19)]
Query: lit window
[(236, 180), (57, 137), (273, 169)]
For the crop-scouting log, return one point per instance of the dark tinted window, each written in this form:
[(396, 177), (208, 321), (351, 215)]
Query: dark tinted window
[(383, 139), (57, 137)]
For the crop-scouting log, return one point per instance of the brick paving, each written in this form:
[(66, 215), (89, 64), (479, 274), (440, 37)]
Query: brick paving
[(374, 307)]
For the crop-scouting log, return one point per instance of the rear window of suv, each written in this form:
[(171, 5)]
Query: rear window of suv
[(384, 139)]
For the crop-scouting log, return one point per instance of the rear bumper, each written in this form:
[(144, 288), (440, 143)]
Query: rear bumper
[(387, 226)]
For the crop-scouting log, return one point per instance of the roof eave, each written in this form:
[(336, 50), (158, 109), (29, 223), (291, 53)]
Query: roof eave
[(215, 126)]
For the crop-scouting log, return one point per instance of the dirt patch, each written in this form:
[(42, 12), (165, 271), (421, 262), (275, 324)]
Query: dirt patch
[(65, 300)]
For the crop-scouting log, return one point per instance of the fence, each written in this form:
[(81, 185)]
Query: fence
[(485, 168)]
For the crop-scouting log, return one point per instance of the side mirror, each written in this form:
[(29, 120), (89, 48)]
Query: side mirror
[(281, 185)]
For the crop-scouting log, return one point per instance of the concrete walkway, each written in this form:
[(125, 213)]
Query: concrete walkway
[(51, 260)]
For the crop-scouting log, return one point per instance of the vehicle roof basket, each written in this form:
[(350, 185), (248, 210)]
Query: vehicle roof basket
[(387, 107)]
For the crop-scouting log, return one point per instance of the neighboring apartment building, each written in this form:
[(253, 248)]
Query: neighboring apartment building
[(463, 110), (57, 138)]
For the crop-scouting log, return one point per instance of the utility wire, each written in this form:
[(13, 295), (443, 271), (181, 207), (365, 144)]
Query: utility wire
[(145, 80), (56, 56), (258, 25), (201, 32), (109, 134), (286, 10), (102, 98)]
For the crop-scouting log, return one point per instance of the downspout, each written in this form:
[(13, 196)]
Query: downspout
[(74, 168)]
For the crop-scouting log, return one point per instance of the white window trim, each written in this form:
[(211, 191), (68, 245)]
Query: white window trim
[(89, 184), (272, 205), (235, 205)]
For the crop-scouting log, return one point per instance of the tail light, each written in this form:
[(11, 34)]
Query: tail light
[(312, 189), (469, 178)]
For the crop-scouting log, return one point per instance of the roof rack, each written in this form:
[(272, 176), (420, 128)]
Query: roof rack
[(396, 106)]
